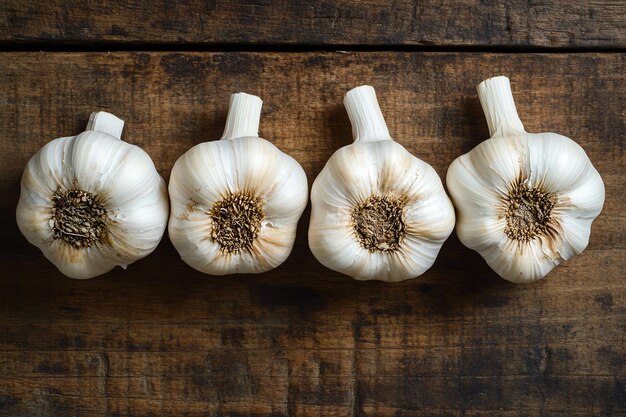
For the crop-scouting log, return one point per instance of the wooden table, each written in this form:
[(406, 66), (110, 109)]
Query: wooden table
[(160, 339)]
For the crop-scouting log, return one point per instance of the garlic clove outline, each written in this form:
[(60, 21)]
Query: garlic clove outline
[(377, 212), (121, 211), (261, 191), (524, 201)]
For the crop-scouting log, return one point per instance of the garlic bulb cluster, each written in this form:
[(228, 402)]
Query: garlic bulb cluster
[(524, 201), (236, 201), (92, 202), (378, 212)]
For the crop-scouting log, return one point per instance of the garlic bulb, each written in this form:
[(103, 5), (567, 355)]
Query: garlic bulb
[(525, 201), (236, 201), (378, 212), (91, 202)]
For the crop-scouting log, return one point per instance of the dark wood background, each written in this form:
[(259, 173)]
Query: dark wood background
[(160, 339)]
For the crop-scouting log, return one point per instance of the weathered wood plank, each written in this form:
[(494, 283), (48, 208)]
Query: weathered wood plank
[(426, 363), (161, 339), (596, 23)]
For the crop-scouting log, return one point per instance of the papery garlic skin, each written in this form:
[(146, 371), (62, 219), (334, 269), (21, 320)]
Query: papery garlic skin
[(482, 182), (375, 165), (124, 183), (239, 164)]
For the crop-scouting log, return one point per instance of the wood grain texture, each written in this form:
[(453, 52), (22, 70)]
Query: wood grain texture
[(560, 23), (162, 339)]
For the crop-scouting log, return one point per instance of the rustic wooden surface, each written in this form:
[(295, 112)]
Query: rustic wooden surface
[(559, 23), (160, 339)]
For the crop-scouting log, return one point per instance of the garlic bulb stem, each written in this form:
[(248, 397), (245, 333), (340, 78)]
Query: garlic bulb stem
[(244, 114), (368, 124), (496, 99), (106, 123)]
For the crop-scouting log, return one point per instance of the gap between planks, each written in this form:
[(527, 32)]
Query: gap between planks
[(295, 48)]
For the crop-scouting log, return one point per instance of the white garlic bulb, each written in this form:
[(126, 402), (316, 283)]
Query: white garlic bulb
[(236, 201), (91, 202), (525, 201), (378, 212)]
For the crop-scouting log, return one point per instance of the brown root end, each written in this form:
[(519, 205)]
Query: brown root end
[(78, 218), (236, 221), (528, 211), (379, 224)]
